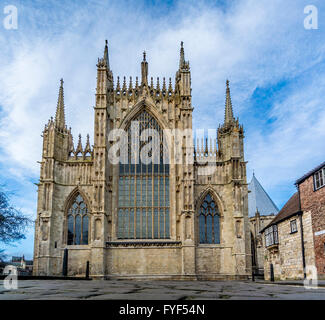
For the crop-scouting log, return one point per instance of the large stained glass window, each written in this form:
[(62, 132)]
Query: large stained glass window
[(209, 228), (78, 222), (143, 203)]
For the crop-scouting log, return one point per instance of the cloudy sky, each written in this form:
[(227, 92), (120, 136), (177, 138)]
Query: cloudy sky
[(275, 66)]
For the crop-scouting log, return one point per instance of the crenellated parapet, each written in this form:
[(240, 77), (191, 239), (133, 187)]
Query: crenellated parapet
[(133, 93)]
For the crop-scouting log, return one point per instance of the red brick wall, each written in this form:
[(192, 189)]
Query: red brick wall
[(314, 201)]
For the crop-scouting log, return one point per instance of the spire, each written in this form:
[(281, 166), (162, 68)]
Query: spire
[(59, 116), (106, 57), (130, 85), (87, 147), (144, 70), (170, 87), (136, 83), (181, 57), (79, 146), (164, 86), (229, 116), (118, 88), (71, 146), (183, 65), (124, 85)]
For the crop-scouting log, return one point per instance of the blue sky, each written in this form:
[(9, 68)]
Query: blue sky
[(276, 70)]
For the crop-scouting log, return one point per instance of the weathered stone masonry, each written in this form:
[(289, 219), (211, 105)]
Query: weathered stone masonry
[(85, 173)]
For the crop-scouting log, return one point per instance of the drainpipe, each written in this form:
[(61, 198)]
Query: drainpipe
[(302, 234)]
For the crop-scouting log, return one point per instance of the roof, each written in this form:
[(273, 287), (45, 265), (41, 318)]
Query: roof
[(292, 207), (309, 173), (259, 200), (16, 259)]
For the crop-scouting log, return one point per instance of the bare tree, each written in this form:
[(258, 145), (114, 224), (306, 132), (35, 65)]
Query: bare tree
[(13, 222)]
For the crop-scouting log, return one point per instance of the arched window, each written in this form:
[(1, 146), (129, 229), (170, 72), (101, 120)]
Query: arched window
[(143, 201), (78, 222), (209, 228)]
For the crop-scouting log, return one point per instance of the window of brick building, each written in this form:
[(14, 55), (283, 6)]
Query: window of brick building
[(293, 226), (319, 179)]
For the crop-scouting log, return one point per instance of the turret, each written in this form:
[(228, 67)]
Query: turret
[(230, 134), (144, 70), (104, 74), (183, 76), (56, 134)]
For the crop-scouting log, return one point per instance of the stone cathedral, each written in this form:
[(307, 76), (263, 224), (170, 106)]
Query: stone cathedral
[(168, 218)]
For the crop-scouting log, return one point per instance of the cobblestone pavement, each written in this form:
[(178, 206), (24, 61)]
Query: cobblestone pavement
[(155, 290)]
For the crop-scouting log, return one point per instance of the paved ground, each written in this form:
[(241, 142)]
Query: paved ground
[(155, 290)]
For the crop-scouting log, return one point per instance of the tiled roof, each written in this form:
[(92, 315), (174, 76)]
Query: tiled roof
[(258, 199), (291, 208), (308, 174)]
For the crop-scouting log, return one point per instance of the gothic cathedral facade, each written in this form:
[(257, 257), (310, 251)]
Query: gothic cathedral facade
[(182, 216)]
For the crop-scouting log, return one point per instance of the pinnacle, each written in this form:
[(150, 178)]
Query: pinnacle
[(60, 116), (229, 116), (144, 70), (182, 56)]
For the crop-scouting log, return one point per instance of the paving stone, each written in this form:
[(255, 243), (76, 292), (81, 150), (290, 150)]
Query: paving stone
[(156, 290)]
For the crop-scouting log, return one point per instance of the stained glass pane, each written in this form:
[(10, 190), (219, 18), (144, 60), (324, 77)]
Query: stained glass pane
[(120, 223), (155, 225), (149, 213), (70, 229), (85, 230), (78, 230), (202, 228), (167, 223), (162, 224), (138, 224), (131, 228)]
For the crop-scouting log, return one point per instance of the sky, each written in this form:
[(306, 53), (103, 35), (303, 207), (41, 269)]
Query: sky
[(276, 69)]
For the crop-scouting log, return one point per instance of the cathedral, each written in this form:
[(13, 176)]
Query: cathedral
[(147, 200)]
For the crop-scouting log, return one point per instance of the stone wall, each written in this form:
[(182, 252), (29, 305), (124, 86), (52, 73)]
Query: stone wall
[(257, 223), (286, 257)]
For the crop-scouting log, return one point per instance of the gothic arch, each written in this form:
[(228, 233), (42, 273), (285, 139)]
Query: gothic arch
[(215, 197), (71, 197), (67, 204), (220, 208), (138, 108)]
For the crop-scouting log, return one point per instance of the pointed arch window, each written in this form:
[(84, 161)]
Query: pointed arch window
[(78, 222), (209, 221), (143, 195)]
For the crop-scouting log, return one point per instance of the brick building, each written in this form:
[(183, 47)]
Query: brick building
[(312, 200)]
